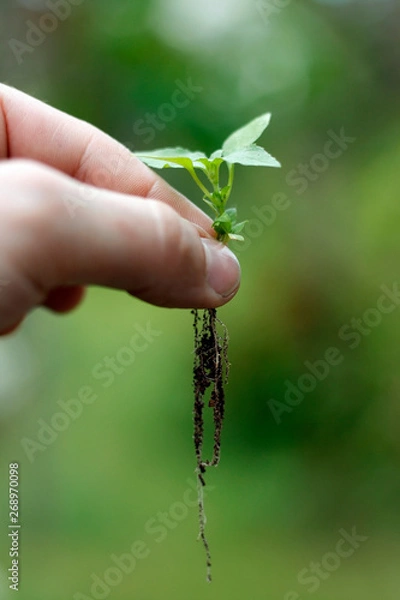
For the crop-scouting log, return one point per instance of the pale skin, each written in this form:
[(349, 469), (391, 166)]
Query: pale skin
[(77, 209)]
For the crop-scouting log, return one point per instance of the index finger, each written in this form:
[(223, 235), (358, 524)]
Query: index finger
[(31, 129)]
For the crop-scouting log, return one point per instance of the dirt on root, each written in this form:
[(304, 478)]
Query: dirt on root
[(210, 375)]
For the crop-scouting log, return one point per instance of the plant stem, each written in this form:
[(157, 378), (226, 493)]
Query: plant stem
[(231, 171), (200, 184)]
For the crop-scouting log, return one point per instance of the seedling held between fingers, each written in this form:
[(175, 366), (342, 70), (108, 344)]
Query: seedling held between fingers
[(211, 365)]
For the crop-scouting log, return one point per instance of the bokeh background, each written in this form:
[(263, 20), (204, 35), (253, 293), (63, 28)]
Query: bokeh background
[(285, 490)]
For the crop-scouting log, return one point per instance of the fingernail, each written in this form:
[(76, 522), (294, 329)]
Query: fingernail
[(223, 269)]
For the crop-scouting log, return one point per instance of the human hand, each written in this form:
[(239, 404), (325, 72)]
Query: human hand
[(77, 208)]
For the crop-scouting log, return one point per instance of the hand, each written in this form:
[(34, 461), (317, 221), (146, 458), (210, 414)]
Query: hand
[(77, 208)]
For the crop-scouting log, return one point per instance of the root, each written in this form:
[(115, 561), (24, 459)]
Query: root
[(210, 373)]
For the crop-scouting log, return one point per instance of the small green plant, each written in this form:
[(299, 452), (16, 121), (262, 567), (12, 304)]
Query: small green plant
[(211, 365), (238, 148)]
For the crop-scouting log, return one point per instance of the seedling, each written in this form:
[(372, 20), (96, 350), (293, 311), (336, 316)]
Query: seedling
[(211, 365)]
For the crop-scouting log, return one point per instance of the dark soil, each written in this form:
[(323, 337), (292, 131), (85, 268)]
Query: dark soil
[(210, 375)]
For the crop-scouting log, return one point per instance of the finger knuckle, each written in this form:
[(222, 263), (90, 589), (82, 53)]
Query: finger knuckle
[(29, 202), (32, 186)]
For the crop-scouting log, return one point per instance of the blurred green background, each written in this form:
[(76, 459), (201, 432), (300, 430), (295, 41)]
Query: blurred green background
[(287, 486)]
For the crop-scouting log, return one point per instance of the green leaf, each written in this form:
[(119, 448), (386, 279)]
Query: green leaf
[(203, 163), (252, 156), (178, 158), (238, 227), (224, 220), (232, 213), (235, 236), (225, 190), (247, 135), (216, 155), (223, 224)]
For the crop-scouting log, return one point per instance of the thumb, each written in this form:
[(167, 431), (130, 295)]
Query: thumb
[(74, 234)]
